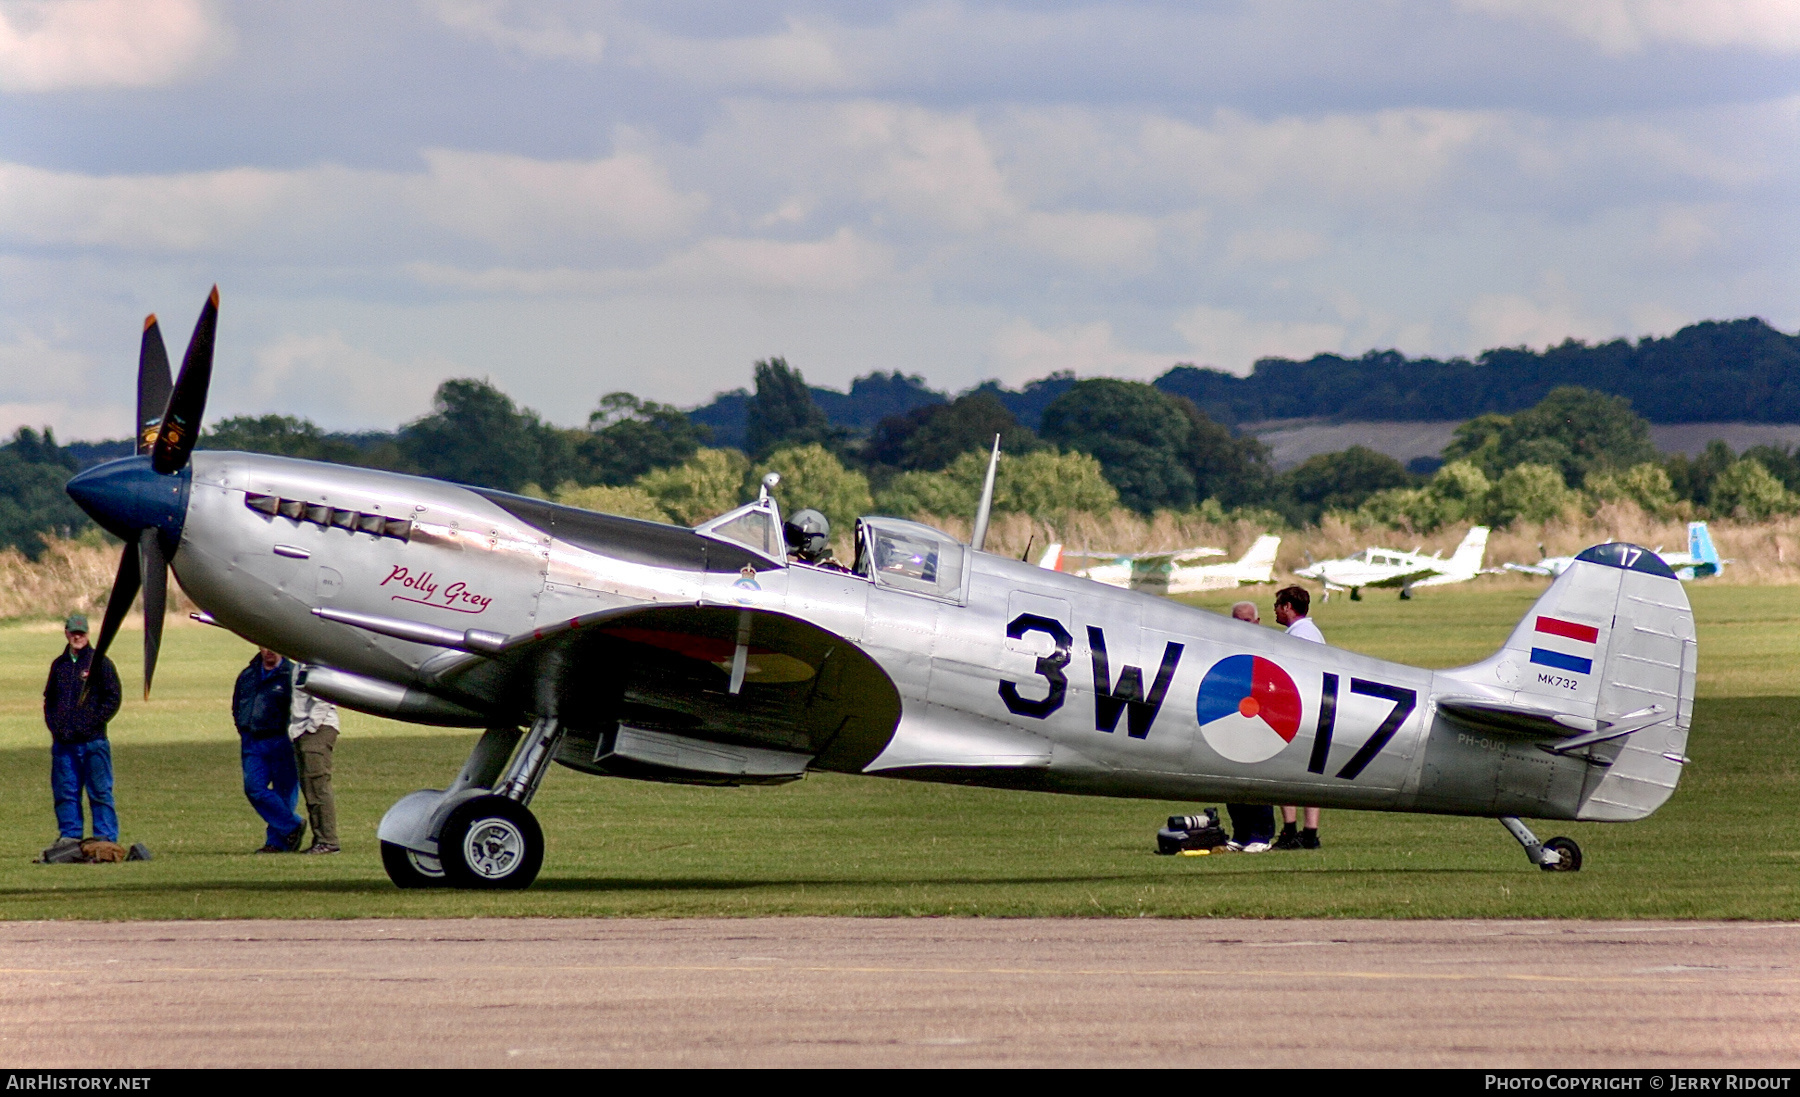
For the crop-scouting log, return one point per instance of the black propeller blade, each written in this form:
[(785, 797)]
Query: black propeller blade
[(153, 385), (119, 602), (181, 425), (156, 599)]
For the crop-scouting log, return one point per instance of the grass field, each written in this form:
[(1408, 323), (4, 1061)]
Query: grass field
[(1726, 846)]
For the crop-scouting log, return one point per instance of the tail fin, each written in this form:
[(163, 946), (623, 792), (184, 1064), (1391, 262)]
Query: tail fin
[(1701, 551), (1052, 558), (1469, 555), (1604, 662), (1261, 557)]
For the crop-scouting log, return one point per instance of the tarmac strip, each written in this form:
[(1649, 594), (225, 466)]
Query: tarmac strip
[(899, 992)]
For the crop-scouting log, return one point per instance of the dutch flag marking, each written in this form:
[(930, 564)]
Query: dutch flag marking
[(1567, 630)]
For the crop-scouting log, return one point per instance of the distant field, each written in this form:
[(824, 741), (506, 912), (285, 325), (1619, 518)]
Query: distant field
[(1293, 442), (1727, 846)]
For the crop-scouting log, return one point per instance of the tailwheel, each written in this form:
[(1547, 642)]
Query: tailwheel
[(491, 842), (408, 869), (1568, 855)]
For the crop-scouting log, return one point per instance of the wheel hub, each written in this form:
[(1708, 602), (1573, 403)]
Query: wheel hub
[(493, 848)]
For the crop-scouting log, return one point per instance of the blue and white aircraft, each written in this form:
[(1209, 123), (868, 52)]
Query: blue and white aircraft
[(1700, 561)]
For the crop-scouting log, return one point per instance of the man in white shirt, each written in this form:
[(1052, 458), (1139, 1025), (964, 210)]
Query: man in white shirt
[(313, 727), (1292, 604)]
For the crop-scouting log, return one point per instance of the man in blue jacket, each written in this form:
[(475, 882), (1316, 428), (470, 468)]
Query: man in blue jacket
[(81, 695), (259, 706)]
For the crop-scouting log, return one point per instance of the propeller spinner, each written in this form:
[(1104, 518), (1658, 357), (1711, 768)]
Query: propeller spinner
[(143, 499)]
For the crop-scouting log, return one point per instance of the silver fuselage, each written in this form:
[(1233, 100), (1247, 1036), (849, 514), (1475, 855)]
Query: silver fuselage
[(976, 704)]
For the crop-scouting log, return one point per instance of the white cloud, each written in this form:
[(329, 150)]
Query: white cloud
[(938, 167), (315, 375), (1020, 351), (51, 45), (1093, 239), (841, 263), (516, 203), (1273, 247), (801, 57), (171, 213), (1683, 231), (33, 367), (543, 35), (1627, 26), (1229, 340), (1543, 319)]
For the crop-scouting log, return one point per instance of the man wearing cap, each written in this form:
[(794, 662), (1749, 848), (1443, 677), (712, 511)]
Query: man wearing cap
[(81, 695)]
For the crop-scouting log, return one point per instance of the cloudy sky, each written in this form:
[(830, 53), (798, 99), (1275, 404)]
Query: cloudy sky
[(577, 198)]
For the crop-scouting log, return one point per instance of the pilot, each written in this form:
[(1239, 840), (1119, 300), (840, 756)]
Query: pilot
[(1292, 604), (1252, 825), (808, 536)]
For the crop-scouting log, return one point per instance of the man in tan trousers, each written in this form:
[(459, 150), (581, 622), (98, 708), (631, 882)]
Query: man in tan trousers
[(313, 727)]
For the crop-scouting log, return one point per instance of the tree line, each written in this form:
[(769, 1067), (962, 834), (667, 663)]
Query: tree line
[(1711, 372), (893, 445)]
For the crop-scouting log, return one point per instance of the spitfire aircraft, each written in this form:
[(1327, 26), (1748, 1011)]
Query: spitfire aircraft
[(1178, 571), (1379, 567), (1700, 561), (712, 656)]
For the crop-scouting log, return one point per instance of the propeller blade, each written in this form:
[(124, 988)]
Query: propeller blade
[(156, 598), (118, 604), (181, 425), (153, 384)]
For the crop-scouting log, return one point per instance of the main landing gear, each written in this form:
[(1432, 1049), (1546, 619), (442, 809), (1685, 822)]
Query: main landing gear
[(1556, 855), (486, 835)]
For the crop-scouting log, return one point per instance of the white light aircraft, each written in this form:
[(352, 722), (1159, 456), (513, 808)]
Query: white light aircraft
[(1178, 571), (1382, 567)]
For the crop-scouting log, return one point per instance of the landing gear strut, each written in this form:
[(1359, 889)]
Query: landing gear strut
[(1556, 855)]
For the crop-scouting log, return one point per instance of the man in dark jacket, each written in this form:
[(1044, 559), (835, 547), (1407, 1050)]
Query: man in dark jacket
[(259, 707), (76, 710)]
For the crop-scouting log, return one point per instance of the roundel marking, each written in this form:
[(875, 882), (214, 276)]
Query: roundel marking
[(1248, 708)]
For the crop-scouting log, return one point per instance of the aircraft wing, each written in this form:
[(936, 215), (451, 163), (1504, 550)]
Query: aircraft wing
[(1403, 578), (747, 678), (1529, 569), (1171, 556)]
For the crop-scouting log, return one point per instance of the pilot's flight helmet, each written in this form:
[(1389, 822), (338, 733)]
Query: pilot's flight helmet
[(808, 534)]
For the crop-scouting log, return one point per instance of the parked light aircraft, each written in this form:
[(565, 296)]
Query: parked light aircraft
[(709, 656), (1175, 572), (1700, 561), (1380, 567)]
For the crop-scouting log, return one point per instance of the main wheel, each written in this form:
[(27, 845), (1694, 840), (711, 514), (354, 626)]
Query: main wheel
[(1568, 855), (491, 842), (411, 870)]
